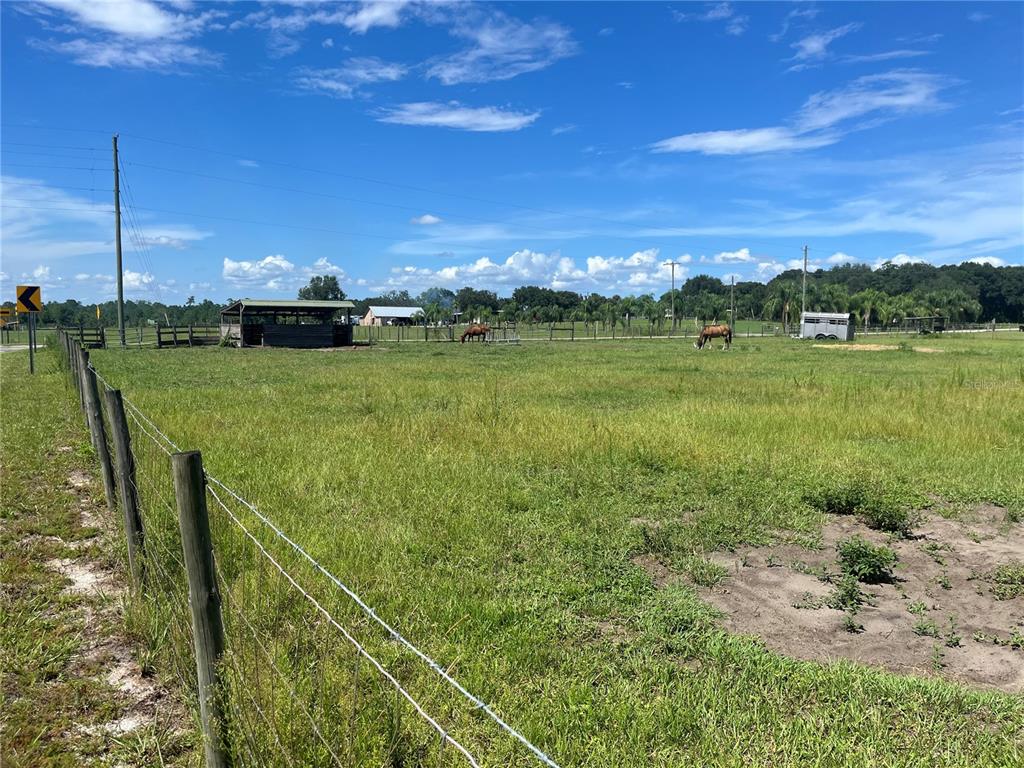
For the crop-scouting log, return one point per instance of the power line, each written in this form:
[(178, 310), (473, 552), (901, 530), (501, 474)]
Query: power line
[(49, 146), (425, 190)]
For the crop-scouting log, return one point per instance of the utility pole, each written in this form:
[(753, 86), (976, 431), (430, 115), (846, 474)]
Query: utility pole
[(732, 302), (673, 265), (803, 293), (117, 246)]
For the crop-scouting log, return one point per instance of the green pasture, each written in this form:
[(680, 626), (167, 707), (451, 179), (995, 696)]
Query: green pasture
[(489, 501)]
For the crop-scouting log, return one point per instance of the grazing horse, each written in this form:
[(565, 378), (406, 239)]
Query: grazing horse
[(476, 330), (709, 332)]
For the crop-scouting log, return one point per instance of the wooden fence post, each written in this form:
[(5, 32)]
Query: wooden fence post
[(122, 440), (99, 434), (204, 599)]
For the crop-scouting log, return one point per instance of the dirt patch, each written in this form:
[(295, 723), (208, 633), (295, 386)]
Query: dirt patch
[(938, 616), (927, 349), (860, 347), (106, 654), (85, 577)]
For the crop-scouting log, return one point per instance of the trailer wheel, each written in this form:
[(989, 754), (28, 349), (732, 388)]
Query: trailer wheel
[(819, 337), (833, 336)]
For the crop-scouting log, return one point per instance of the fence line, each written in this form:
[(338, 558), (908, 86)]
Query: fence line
[(161, 552), (479, 704)]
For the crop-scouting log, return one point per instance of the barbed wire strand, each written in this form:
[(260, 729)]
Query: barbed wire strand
[(395, 634), (359, 648)]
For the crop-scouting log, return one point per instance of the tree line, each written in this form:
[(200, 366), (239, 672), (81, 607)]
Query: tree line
[(959, 293)]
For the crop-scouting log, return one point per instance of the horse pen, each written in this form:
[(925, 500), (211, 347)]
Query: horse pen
[(628, 528)]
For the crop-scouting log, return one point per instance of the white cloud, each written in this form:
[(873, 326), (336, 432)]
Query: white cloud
[(892, 93), (977, 16), (248, 163), (131, 18), (137, 282), (502, 47), (161, 56), (787, 22), (200, 286), (425, 219), (41, 273), (735, 24), (824, 117), (733, 257), (899, 259), (453, 115), (136, 34), (377, 13), (323, 266), (328, 42), (766, 270), (994, 261), (743, 141), (261, 273), (343, 81), (902, 53), (642, 270), (840, 258), (815, 47), (606, 31), (558, 130)]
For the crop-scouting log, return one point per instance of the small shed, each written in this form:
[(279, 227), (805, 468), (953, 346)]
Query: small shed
[(392, 315), (284, 323)]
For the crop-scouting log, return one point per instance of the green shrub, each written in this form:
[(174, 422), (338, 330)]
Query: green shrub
[(843, 498), (877, 508), (864, 561), (884, 514), (847, 595), (1009, 581)]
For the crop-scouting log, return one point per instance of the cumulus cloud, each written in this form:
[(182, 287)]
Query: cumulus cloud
[(840, 258), (323, 266), (640, 271), (452, 114), (733, 257), (261, 273), (898, 260), (993, 261)]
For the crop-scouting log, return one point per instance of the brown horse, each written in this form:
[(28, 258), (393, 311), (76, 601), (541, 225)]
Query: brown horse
[(476, 330), (709, 332)]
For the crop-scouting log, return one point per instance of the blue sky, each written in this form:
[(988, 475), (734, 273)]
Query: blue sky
[(574, 145)]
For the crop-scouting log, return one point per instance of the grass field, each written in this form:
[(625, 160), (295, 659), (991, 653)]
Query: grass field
[(493, 502)]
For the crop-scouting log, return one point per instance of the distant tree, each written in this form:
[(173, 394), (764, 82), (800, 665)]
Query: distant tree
[(322, 288), (436, 295)]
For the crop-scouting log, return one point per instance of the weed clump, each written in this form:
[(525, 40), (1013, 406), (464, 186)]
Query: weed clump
[(877, 509), (847, 595), (1009, 581), (865, 561)]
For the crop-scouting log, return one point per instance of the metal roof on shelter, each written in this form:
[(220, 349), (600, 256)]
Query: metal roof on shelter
[(288, 305), (403, 312)]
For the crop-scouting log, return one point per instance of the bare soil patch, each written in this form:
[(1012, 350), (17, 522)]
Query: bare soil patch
[(106, 654), (860, 347), (938, 616)]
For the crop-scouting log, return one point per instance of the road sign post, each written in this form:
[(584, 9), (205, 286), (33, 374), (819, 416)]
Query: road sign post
[(30, 301)]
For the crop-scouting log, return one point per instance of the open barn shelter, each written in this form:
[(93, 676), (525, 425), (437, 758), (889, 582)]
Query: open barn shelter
[(283, 323)]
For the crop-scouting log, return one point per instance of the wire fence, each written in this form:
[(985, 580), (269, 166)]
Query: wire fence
[(310, 674)]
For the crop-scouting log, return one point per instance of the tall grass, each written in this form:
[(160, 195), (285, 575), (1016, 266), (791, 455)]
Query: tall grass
[(490, 502)]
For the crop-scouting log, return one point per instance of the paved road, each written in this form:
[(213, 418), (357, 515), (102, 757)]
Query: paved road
[(13, 348)]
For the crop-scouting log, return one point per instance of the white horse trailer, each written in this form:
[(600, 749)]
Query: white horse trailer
[(826, 325)]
